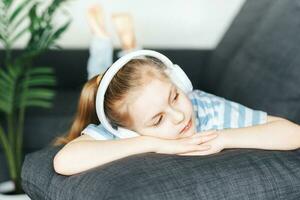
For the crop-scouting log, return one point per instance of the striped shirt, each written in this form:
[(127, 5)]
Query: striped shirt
[(211, 112)]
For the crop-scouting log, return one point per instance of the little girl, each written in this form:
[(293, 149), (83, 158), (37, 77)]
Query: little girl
[(141, 97)]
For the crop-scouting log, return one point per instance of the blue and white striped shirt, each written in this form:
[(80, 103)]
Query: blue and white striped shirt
[(211, 112), (214, 112)]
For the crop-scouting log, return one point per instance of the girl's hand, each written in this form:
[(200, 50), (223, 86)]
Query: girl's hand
[(196, 143), (217, 145)]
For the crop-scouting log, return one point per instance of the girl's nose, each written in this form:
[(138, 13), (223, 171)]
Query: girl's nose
[(178, 116)]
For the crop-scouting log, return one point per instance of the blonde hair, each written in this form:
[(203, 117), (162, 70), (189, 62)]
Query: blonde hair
[(130, 78)]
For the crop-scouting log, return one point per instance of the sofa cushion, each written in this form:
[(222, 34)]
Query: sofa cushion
[(230, 174)]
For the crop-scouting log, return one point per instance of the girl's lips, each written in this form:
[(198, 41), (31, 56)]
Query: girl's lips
[(187, 127)]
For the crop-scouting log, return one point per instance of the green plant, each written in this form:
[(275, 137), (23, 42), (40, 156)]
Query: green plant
[(21, 83)]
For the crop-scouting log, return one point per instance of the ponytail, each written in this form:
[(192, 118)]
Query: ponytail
[(86, 111)]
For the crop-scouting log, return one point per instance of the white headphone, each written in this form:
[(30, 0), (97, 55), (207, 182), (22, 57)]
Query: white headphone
[(177, 75)]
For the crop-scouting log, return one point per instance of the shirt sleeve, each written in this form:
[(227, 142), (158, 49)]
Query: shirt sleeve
[(98, 132), (219, 113)]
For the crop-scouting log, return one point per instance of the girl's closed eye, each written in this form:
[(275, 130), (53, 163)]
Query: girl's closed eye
[(156, 124), (176, 96), (160, 119)]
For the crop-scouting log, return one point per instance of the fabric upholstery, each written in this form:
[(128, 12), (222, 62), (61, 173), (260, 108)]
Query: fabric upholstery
[(233, 174), (262, 71)]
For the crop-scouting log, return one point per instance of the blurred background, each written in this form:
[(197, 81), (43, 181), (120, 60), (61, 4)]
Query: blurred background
[(191, 24)]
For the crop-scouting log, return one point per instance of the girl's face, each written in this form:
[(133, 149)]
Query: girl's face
[(162, 110)]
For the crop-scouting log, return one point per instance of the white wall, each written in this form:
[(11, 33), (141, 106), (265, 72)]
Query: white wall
[(158, 23)]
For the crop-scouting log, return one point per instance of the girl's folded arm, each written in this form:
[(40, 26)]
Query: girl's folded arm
[(276, 134), (84, 153)]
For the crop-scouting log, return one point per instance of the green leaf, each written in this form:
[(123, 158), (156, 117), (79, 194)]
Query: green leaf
[(33, 20), (3, 22), (7, 2), (5, 76), (39, 93), (19, 34), (14, 72), (56, 47), (40, 76), (3, 85), (41, 70), (21, 7), (7, 89), (52, 8), (41, 80), (38, 103), (14, 25), (58, 32), (5, 95), (43, 42), (4, 107)]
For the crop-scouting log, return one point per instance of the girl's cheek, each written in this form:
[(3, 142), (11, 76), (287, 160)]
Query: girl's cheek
[(171, 132), (184, 100), (165, 131)]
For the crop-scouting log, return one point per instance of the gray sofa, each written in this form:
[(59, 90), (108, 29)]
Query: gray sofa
[(257, 63)]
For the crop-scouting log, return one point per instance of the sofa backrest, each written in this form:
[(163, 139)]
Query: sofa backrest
[(70, 65), (258, 61)]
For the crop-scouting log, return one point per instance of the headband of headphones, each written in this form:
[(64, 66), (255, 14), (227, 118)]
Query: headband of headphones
[(177, 75)]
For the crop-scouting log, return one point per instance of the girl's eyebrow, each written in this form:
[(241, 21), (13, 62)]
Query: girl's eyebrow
[(171, 89)]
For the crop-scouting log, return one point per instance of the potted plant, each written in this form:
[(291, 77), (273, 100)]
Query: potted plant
[(21, 83)]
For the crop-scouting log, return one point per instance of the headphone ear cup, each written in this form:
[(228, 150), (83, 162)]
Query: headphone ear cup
[(179, 78)]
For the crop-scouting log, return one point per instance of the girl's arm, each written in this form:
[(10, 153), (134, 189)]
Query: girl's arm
[(276, 134), (84, 153)]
